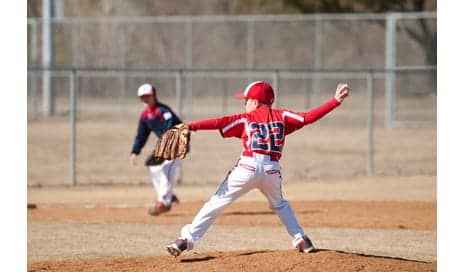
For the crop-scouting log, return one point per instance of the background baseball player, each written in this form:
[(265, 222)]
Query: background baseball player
[(262, 130), (156, 118)]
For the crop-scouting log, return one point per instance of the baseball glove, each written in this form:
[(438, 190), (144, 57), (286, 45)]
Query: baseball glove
[(174, 144)]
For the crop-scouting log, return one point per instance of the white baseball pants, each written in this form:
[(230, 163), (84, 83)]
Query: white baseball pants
[(249, 173), (162, 177)]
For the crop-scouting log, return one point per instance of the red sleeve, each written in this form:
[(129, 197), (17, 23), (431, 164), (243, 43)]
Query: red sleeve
[(204, 124), (229, 126), (317, 113), (296, 120)]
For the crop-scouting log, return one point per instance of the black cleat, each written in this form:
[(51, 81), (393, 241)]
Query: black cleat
[(305, 245), (176, 247), (174, 200)]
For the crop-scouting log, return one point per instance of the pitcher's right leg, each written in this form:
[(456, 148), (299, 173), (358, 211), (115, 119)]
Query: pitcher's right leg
[(272, 189), (237, 183)]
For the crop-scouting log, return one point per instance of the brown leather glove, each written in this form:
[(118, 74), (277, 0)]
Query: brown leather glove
[(175, 143)]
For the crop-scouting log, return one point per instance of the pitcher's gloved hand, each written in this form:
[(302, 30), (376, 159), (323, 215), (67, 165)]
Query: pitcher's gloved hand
[(175, 143)]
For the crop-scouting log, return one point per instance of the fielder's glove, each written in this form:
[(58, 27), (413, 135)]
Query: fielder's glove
[(174, 144)]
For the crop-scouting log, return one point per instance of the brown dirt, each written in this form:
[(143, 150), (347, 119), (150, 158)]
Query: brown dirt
[(338, 214), (282, 260), (391, 221)]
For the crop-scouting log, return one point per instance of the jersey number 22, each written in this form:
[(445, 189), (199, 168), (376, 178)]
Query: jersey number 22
[(267, 137)]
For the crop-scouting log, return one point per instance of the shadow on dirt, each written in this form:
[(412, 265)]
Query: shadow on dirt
[(208, 258), (194, 260), (369, 255), (253, 252)]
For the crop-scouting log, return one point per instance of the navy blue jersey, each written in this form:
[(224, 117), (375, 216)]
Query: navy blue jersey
[(157, 120)]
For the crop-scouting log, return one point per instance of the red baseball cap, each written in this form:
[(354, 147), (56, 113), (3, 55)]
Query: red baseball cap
[(259, 90)]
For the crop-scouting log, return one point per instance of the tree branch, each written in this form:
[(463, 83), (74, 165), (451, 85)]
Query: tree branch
[(414, 35)]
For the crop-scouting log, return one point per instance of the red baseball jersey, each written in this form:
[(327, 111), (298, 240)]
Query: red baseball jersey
[(263, 130)]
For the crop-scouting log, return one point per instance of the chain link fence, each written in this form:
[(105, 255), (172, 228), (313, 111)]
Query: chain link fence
[(198, 63)]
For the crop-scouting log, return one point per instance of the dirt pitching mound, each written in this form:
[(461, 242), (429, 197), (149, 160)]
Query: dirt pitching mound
[(282, 260)]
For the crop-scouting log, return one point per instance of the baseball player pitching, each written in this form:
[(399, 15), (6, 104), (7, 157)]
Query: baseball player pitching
[(262, 130), (156, 118)]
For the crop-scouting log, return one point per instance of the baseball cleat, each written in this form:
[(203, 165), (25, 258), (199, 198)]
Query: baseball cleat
[(174, 200), (176, 247), (158, 209), (305, 245)]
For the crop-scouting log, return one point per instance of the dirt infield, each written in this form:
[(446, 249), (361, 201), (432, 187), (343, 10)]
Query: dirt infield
[(333, 214), (388, 225)]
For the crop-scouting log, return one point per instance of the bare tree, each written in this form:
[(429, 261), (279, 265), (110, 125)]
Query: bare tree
[(423, 34), (421, 31)]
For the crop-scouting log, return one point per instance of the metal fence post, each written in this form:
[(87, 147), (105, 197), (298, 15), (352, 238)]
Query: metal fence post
[(33, 75), (75, 43), (275, 86), (72, 111), (34, 43), (390, 63), (33, 81), (179, 92), (179, 109), (189, 59), (47, 58), (370, 125), (188, 43), (225, 97), (315, 81), (250, 47), (123, 77)]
